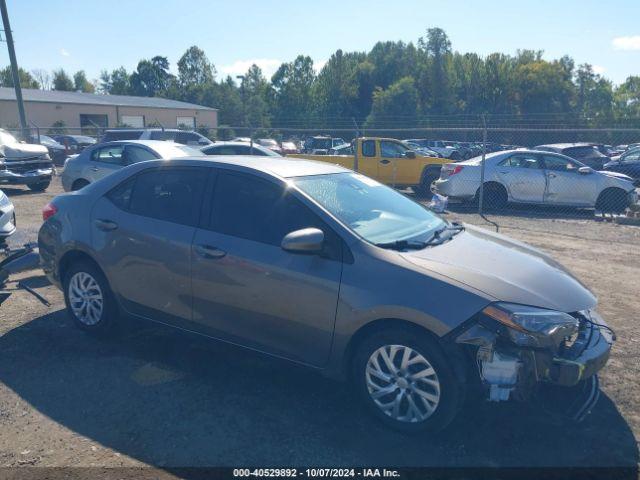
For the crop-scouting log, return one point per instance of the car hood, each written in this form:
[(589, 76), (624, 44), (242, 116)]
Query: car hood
[(506, 270), (616, 175), (18, 151)]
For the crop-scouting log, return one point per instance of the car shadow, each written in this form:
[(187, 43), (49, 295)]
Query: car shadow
[(172, 400), (16, 191)]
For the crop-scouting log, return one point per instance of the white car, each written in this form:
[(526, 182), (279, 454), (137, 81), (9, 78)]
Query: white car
[(102, 159), (7, 218), (536, 177)]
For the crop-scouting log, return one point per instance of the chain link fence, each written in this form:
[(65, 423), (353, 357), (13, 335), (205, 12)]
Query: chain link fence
[(490, 168)]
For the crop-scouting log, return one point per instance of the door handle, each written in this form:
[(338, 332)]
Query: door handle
[(552, 175), (384, 162), (105, 225), (94, 169), (207, 251)]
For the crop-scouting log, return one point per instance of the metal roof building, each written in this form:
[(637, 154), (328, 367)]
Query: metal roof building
[(78, 109)]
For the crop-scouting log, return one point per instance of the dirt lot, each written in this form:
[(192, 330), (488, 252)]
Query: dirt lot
[(157, 398)]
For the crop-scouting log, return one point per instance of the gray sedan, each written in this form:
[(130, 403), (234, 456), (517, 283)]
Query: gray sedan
[(536, 177), (327, 268), (100, 160)]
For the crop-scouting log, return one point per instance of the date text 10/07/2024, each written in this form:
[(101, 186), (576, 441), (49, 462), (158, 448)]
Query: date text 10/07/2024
[(316, 472)]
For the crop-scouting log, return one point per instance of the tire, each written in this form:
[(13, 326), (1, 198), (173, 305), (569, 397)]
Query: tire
[(424, 189), (78, 184), (444, 391), (85, 278), (495, 196), (40, 186), (612, 200)]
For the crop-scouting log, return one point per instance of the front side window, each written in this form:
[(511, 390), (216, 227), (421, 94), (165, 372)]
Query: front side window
[(169, 194), (559, 164), (631, 157), (112, 155), (248, 207), (522, 161), (373, 211), (392, 149)]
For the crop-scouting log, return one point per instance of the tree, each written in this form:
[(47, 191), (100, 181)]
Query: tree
[(81, 83), (595, 94), (436, 47), (43, 78), (292, 89), (151, 77), (627, 98), (194, 68), (118, 82), (396, 106), (542, 87), (62, 81), (26, 79), (256, 92)]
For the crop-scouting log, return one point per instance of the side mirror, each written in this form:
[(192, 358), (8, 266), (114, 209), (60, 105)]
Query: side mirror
[(410, 154), (307, 240), (585, 170)]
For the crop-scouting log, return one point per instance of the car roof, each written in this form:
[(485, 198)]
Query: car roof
[(163, 147), (565, 145), (278, 166)]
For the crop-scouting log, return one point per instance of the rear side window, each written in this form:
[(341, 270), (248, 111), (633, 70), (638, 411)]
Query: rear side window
[(369, 148), (124, 135), (582, 152), (522, 161), (162, 135), (168, 194), (224, 150), (138, 154), (248, 207)]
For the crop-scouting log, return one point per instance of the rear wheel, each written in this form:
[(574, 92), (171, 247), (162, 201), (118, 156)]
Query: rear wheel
[(424, 189), (612, 200), (406, 381), (40, 186), (78, 184), (495, 196), (89, 299)]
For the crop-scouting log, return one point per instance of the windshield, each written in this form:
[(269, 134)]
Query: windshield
[(7, 138), (375, 212)]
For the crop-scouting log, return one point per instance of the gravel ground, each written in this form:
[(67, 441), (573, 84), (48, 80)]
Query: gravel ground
[(153, 397)]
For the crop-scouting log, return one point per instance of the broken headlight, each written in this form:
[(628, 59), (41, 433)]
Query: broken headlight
[(532, 326)]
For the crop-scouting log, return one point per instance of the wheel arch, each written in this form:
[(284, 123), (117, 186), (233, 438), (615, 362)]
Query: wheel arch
[(77, 181), (73, 256)]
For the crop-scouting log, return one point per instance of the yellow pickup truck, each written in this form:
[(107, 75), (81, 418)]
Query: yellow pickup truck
[(389, 161)]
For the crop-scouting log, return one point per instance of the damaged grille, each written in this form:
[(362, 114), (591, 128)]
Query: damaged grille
[(574, 345), (24, 167)]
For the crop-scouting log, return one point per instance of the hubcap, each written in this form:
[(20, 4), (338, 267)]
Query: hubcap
[(402, 383), (85, 298)]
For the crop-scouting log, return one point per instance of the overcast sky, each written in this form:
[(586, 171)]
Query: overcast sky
[(94, 35)]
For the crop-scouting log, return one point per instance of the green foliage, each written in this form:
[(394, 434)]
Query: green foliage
[(62, 81), (57, 128), (194, 68), (399, 102), (26, 79), (81, 83)]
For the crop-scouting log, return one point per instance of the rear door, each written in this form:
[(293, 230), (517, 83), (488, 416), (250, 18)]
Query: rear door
[(142, 232), (565, 185), (368, 159), (246, 288), (524, 177)]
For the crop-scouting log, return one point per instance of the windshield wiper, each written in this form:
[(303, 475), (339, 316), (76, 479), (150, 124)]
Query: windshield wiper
[(403, 245), (435, 239)]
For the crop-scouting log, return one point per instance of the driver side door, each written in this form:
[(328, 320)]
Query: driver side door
[(248, 290), (566, 185)]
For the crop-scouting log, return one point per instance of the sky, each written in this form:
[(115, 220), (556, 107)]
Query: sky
[(94, 35)]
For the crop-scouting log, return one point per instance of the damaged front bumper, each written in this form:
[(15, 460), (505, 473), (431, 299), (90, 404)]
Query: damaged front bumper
[(25, 178), (508, 371)]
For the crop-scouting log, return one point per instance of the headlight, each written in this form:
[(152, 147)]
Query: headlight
[(532, 326)]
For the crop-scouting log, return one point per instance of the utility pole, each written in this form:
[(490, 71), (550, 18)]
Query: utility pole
[(14, 66)]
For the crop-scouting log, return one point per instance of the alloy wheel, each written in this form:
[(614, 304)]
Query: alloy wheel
[(86, 298), (402, 383)]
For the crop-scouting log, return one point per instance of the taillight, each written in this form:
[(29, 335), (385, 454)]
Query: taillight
[(49, 211), (456, 169)]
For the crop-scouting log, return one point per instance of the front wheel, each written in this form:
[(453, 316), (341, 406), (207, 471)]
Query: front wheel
[(613, 200), (424, 189), (406, 381), (39, 186)]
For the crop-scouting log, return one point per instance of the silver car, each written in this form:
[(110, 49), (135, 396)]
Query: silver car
[(102, 159), (7, 218), (325, 267), (536, 177)]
